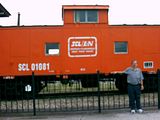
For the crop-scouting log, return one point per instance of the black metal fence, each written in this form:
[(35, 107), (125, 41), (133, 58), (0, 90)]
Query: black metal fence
[(71, 96)]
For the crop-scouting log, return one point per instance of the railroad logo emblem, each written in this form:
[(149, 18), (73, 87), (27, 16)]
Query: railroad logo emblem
[(82, 46)]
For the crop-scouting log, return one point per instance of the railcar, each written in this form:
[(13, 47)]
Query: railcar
[(83, 45)]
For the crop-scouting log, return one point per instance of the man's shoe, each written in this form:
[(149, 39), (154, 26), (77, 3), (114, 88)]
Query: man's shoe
[(133, 111), (140, 111)]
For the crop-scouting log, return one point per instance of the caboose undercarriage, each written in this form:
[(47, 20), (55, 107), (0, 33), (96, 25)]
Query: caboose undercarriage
[(22, 86)]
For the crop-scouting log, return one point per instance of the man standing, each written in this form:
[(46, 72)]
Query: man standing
[(135, 85)]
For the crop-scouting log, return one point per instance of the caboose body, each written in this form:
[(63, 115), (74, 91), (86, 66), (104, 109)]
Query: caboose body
[(82, 46)]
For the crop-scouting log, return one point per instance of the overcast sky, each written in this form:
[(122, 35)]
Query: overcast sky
[(49, 12)]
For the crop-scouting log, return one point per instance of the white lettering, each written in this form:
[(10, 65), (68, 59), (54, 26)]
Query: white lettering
[(76, 44), (85, 46), (27, 68), (82, 43), (40, 66), (44, 66), (37, 67), (23, 67), (48, 66), (19, 67), (34, 67), (88, 43)]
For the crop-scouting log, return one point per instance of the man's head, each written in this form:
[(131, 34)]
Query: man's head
[(134, 63)]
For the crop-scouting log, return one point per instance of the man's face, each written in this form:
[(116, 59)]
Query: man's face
[(134, 64)]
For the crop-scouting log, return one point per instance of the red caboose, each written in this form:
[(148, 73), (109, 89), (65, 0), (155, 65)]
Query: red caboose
[(82, 46)]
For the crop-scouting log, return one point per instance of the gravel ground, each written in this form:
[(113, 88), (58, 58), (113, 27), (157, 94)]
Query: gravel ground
[(107, 115)]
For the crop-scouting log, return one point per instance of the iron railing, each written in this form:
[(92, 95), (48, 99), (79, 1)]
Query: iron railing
[(71, 96)]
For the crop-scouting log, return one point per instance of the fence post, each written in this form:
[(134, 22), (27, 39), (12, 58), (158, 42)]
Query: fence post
[(158, 72), (33, 87), (99, 96)]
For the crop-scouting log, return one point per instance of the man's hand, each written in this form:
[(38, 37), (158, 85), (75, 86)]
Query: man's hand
[(142, 87)]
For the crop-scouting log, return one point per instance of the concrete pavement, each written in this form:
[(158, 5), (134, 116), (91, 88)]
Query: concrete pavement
[(153, 114)]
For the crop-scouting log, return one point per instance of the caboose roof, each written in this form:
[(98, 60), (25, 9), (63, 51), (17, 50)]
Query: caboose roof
[(3, 11), (74, 7)]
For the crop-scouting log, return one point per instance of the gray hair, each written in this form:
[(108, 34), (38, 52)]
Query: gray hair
[(133, 61)]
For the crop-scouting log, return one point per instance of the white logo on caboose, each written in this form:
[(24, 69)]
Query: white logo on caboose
[(82, 46)]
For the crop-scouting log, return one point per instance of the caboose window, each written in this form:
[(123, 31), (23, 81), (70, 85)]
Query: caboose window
[(121, 47), (148, 64), (86, 16), (52, 48)]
